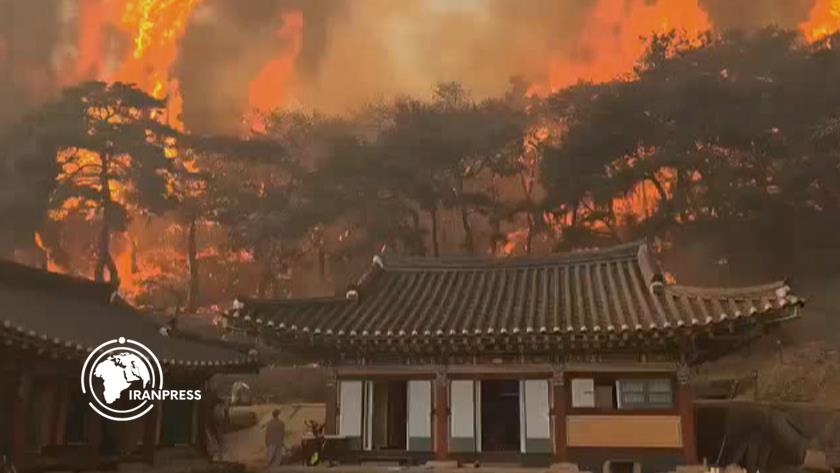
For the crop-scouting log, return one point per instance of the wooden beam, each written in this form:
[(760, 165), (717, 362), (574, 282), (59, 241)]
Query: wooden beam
[(685, 405), (509, 369), (331, 421), (63, 402), (93, 433), (560, 403), (151, 432), (203, 415), (20, 408), (53, 395), (441, 416)]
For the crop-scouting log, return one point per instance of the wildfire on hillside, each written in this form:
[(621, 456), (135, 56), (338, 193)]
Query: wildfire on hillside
[(139, 42)]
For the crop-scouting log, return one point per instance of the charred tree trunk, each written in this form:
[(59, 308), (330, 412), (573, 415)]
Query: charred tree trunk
[(134, 266), (322, 264), (530, 237), (469, 239), (415, 244), (265, 281), (104, 261), (496, 232), (526, 179), (322, 253), (433, 215), (660, 189), (192, 260), (267, 271)]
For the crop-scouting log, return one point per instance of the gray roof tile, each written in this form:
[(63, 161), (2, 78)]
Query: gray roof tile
[(581, 294)]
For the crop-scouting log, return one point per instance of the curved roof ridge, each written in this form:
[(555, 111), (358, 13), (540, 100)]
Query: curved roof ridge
[(390, 261), (717, 290), (291, 300), (14, 274), (580, 296)]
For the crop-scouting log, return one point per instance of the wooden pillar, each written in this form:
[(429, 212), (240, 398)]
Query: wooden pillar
[(20, 409), (150, 432), (560, 403), (53, 393), (331, 421), (62, 402), (93, 433), (441, 416), (203, 413), (685, 404)]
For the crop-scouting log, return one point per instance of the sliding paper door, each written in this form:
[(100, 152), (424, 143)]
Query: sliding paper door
[(350, 413), (535, 427), (462, 432), (419, 433)]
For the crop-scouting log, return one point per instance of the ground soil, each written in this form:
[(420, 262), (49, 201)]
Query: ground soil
[(247, 446)]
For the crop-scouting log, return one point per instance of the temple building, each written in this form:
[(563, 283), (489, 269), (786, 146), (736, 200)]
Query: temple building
[(49, 323), (581, 357)]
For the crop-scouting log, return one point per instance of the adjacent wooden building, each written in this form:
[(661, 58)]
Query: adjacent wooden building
[(580, 357), (49, 323)]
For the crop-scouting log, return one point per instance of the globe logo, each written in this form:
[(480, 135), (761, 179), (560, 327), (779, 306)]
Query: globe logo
[(114, 373)]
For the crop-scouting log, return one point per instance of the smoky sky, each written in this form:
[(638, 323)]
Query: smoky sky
[(28, 38), (352, 52), (746, 14), (357, 52)]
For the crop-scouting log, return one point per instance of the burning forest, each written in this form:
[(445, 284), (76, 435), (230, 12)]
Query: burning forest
[(525, 188), (191, 150)]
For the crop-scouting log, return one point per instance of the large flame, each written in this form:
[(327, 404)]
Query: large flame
[(824, 20), (612, 39), (153, 28), (267, 91)]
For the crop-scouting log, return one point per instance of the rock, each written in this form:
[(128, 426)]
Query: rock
[(815, 460), (438, 464), (241, 418), (691, 469), (733, 468), (132, 467), (608, 465), (564, 467)]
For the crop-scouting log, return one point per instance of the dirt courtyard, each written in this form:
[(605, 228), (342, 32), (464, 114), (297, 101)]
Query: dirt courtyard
[(247, 445)]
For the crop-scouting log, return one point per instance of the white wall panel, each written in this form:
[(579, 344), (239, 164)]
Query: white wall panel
[(537, 421), (463, 408), (419, 415), (350, 408)]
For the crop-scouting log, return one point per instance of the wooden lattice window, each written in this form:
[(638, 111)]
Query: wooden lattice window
[(639, 393)]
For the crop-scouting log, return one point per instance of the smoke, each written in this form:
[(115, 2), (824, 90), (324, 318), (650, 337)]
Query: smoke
[(347, 53), (359, 52), (28, 36), (354, 53), (746, 14)]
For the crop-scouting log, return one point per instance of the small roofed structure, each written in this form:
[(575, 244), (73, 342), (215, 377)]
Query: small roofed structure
[(576, 357), (49, 324)]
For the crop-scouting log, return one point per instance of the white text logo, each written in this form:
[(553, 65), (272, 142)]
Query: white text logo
[(123, 378)]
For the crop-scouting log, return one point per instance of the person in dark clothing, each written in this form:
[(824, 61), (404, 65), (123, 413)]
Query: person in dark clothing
[(275, 436)]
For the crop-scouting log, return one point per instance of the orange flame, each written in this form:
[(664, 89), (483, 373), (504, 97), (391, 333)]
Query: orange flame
[(823, 21), (612, 41), (48, 257), (154, 28), (267, 91)]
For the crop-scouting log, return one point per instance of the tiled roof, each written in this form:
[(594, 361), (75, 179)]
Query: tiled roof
[(613, 291), (68, 316)]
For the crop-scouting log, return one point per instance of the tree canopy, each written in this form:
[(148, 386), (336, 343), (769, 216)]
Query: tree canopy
[(727, 137)]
